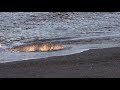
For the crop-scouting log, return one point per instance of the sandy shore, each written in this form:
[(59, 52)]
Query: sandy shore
[(99, 63)]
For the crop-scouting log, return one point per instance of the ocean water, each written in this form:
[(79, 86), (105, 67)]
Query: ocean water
[(80, 31)]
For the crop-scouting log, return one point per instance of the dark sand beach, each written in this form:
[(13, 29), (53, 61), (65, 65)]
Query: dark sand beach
[(97, 63)]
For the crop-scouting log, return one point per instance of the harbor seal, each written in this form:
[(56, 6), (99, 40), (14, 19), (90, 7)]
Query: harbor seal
[(45, 47)]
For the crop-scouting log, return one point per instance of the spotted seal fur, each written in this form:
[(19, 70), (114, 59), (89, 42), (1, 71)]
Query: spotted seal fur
[(45, 47)]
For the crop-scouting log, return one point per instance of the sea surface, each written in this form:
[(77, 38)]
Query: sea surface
[(80, 31)]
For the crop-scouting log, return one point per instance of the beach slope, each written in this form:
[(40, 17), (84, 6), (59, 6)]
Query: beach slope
[(96, 63)]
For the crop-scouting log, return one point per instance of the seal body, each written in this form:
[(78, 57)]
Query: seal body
[(45, 47), (50, 47)]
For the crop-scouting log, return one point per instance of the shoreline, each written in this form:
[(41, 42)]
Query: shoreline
[(94, 63)]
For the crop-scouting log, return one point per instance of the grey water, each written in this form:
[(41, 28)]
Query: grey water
[(79, 30)]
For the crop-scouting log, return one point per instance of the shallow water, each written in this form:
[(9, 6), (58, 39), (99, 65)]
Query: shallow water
[(79, 30)]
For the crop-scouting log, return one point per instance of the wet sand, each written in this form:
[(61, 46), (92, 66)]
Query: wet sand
[(96, 63)]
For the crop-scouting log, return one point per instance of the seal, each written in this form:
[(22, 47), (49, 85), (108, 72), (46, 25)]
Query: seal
[(45, 47)]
